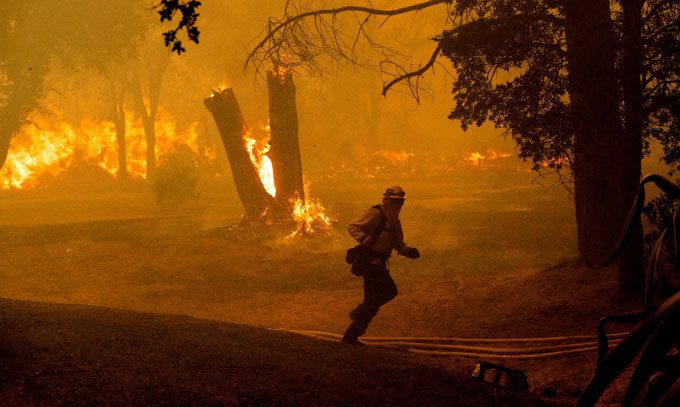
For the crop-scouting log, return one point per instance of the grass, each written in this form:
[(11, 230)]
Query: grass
[(484, 236)]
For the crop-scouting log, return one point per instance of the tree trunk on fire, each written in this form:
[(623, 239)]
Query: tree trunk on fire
[(120, 138), (229, 119), (154, 79), (606, 161), (118, 93), (284, 144)]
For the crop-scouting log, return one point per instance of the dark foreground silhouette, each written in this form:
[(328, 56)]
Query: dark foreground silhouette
[(70, 354)]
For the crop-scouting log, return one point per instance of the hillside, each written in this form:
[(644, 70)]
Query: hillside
[(54, 354)]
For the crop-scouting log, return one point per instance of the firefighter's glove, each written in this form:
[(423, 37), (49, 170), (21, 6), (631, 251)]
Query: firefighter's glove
[(413, 253)]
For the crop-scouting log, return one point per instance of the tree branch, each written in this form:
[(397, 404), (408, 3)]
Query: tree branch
[(334, 12), (417, 73)]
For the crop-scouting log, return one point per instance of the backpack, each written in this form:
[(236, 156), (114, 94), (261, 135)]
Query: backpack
[(359, 255)]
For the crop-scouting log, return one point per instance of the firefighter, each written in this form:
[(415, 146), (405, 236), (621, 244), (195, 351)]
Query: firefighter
[(379, 230)]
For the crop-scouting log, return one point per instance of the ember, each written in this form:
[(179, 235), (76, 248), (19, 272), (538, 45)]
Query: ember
[(396, 158), (475, 159)]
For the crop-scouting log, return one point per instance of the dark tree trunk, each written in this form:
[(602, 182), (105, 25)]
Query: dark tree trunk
[(5, 138), (631, 265), (120, 138), (229, 119), (155, 80), (23, 97), (284, 143), (606, 162), (150, 135)]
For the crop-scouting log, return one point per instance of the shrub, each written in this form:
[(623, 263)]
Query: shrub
[(176, 177)]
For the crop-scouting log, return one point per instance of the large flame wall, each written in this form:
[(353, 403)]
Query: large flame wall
[(47, 145)]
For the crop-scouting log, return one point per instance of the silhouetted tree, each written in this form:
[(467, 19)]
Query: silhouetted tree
[(145, 87)]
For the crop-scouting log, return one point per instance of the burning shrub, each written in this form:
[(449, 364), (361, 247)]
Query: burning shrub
[(176, 178)]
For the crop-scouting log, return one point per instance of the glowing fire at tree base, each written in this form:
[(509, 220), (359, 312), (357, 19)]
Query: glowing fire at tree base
[(266, 165), (308, 214)]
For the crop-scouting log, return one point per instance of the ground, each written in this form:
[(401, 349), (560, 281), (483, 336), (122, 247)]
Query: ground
[(498, 261), (77, 355)]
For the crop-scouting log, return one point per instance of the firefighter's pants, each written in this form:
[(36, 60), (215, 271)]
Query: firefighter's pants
[(379, 289)]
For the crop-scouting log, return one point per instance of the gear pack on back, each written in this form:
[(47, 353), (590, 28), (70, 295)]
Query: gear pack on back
[(360, 255)]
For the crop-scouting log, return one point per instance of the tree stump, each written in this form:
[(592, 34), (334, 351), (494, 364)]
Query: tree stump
[(232, 126)]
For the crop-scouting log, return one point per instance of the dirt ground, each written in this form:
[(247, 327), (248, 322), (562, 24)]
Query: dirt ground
[(80, 355), (497, 262)]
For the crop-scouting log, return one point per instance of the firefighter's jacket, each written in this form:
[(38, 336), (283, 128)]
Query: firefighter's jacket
[(391, 238)]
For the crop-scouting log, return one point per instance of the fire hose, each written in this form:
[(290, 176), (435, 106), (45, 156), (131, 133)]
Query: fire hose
[(460, 347)]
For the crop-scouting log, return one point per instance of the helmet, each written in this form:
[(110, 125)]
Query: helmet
[(394, 192)]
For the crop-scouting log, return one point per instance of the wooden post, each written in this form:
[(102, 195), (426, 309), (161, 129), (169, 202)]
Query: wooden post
[(285, 146), (231, 124)]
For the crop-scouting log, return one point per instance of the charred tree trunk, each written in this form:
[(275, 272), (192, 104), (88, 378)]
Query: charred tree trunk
[(154, 79), (284, 143), (120, 138), (10, 123), (229, 119), (5, 138), (606, 162), (150, 136)]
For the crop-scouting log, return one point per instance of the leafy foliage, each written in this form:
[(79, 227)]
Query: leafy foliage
[(659, 216), (510, 59), (661, 76), (187, 22)]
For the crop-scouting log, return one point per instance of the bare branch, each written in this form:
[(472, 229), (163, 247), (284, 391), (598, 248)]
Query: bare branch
[(292, 21), (416, 73)]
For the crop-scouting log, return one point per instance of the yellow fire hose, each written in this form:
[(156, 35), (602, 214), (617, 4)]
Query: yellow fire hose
[(417, 345)]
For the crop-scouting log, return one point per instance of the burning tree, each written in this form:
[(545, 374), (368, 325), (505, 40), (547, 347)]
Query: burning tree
[(268, 174), (233, 130)]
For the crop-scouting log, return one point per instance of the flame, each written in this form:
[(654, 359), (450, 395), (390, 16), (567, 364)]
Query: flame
[(258, 156), (50, 150), (475, 159), (493, 154), (48, 146), (309, 215), (396, 158), (221, 87), (554, 163), (282, 68)]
